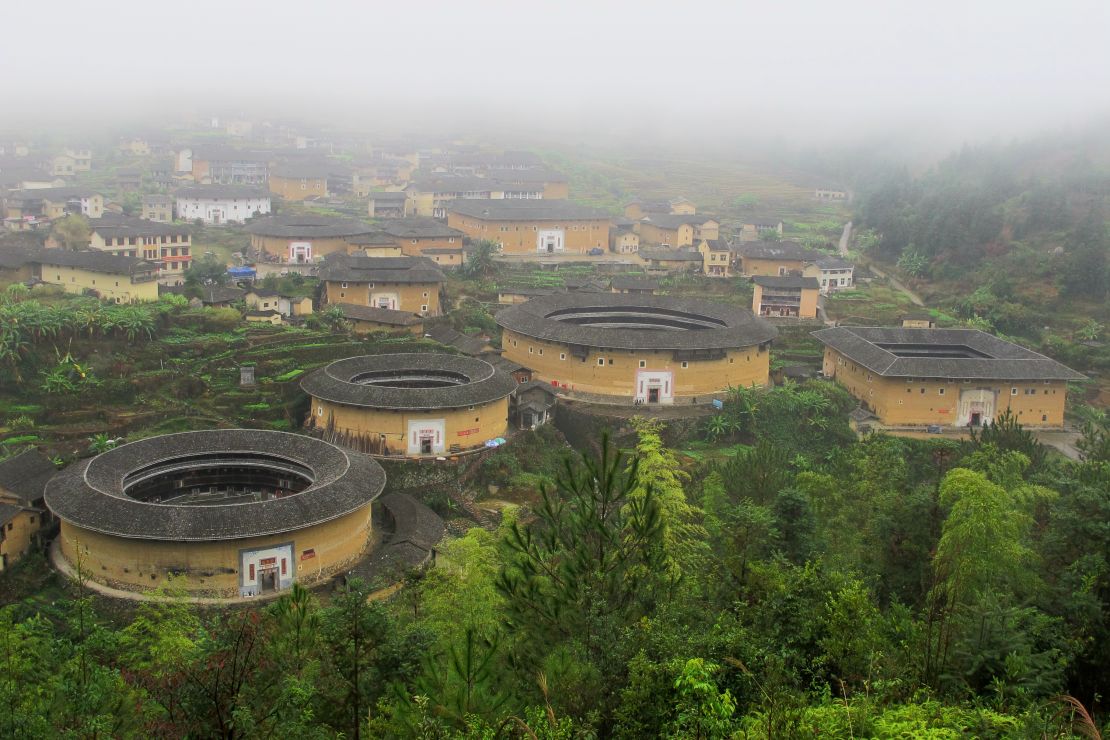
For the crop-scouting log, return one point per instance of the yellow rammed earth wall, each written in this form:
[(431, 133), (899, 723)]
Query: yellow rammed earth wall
[(298, 188), (17, 535), (745, 366), (112, 287), (279, 245), (212, 568), (752, 266), (410, 296), (925, 401), (519, 237), (467, 427)]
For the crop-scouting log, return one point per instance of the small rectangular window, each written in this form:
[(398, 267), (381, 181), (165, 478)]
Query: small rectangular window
[(685, 365), (940, 391), (562, 355), (643, 363), (601, 361), (1013, 391)]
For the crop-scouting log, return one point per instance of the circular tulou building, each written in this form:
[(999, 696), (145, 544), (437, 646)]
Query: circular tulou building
[(302, 238), (409, 404), (628, 348), (232, 512)]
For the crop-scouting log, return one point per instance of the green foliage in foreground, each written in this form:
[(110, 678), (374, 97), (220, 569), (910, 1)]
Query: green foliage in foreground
[(802, 588)]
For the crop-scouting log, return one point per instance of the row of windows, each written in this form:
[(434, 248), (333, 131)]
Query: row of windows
[(132, 240)]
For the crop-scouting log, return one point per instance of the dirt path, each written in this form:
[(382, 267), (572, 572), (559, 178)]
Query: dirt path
[(845, 238), (897, 284)]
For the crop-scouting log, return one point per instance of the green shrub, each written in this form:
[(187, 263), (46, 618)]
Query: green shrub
[(20, 440), (289, 375)]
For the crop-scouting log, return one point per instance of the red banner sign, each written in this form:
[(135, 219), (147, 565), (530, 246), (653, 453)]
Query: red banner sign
[(466, 432)]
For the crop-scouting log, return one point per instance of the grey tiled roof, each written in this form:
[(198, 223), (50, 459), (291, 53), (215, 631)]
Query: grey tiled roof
[(465, 343), (307, 226), (832, 263), (786, 281), (94, 260), (777, 251), (623, 282), (671, 255), (527, 210), (380, 315), (1004, 361), (8, 512), (221, 192), (418, 227), (361, 269), (90, 493), (25, 475), (737, 326), (111, 228), (674, 220), (333, 382)]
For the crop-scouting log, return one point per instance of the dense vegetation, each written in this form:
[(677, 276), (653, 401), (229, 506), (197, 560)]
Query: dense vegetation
[(804, 584)]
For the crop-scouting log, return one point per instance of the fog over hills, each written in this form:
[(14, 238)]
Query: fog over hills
[(802, 73)]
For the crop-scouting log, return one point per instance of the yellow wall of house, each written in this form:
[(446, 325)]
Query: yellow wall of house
[(452, 259), (420, 204), (807, 306), (925, 401), (16, 274), (466, 427), (708, 230), (410, 296), (650, 233), (117, 288), (17, 535), (752, 266), (556, 190), (414, 247), (519, 237), (625, 243), (740, 367), (720, 259), (279, 245), (298, 188), (213, 567), (361, 326)]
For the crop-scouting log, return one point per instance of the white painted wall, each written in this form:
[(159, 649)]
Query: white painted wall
[(251, 586), (220, 210), (433, 429), (975, 400), (661, 379), (550, 240)]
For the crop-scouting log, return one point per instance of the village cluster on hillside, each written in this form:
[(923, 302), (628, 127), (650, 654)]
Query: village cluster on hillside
[(380, 230)]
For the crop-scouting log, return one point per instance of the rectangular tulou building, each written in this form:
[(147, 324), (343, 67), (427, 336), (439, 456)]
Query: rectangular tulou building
[(946, 377)]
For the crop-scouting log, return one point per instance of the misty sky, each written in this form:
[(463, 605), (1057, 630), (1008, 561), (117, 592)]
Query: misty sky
[(995, 67)]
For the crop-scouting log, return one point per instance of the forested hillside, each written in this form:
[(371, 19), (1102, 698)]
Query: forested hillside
[(801, 584), (1031, 206)]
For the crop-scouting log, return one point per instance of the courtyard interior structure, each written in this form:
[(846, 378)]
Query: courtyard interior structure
[(409, 404), (945, 377), (225, 513), (637, 348)]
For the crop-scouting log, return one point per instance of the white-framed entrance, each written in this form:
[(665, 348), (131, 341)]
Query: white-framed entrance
[(654, 386), (300, 252), (266, 570), (427, 437), (385, 300), (976, 407), (550, 241)]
